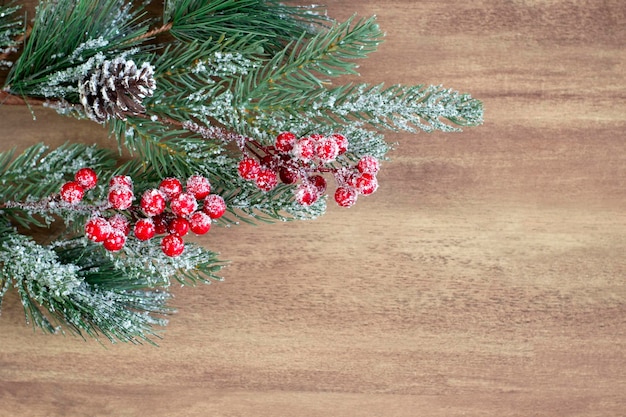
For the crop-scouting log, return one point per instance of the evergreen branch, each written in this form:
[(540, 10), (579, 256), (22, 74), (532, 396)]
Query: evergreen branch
[(305, 65), (35, 174), (408, 108), (230, 77), (151, 34), (90, 291), (269, 21), (190, 76), (55, 290), (65, 35), (146, 260)]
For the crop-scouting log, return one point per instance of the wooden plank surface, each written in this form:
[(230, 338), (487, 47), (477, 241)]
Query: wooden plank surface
[(484, 278)]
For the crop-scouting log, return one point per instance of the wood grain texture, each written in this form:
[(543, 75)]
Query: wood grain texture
[(484, 278)]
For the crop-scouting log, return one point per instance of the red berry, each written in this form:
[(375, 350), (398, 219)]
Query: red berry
[(268, 161), (199, 186), (178, 226), (170, 187), (319, 182), (121, 181), (86, 177), (184, 204), (200, 222), (161, 221), (145, 229), (72, 192), (306, 194), (121, 223), (266, 180), (97, 229), (285, 141), (172, 245), (121, 197), (152, 202), (341, 141), (115, 241), (366, 183), (304, 149), (214, 206), (327, 149), (368, 164), (288, 175), (345, 196), (249, 168)]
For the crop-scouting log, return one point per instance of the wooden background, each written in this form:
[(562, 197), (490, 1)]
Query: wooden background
[(484, 278)]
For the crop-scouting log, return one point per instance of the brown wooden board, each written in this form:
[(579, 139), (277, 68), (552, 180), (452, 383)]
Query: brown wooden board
[(484, 278)]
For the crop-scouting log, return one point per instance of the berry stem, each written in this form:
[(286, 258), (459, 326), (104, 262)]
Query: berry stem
[(52, 202), (249, 149)]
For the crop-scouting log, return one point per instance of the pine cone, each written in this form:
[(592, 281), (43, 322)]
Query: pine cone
[(116, 89)]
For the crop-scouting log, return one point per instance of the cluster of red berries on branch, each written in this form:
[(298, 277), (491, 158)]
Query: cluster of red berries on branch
[(291, 159), (170, 210)]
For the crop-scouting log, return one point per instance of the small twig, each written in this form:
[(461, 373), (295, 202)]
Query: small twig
[(152, 33), (15, 100), (54, 202)]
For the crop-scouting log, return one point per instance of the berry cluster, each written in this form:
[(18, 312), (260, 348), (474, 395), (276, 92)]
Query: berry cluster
[(170, 210), (291, 159), (72, 192)]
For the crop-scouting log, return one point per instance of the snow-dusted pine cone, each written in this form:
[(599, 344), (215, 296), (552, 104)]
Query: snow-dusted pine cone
[(115, 89)]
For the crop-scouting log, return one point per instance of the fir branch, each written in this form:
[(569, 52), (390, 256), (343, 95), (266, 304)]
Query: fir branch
[(306, 65), (146, 260), (65, 35), (9, 99), (37, 173), (268, 21), (396, 108), (190, 76), (56, 292)]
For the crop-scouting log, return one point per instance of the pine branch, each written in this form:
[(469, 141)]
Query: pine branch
[(145, 260), (56, 292), (228, 77), (66, 34), (306, 65), (91, 292), (36, 173), (270, 22), (396, 108)]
